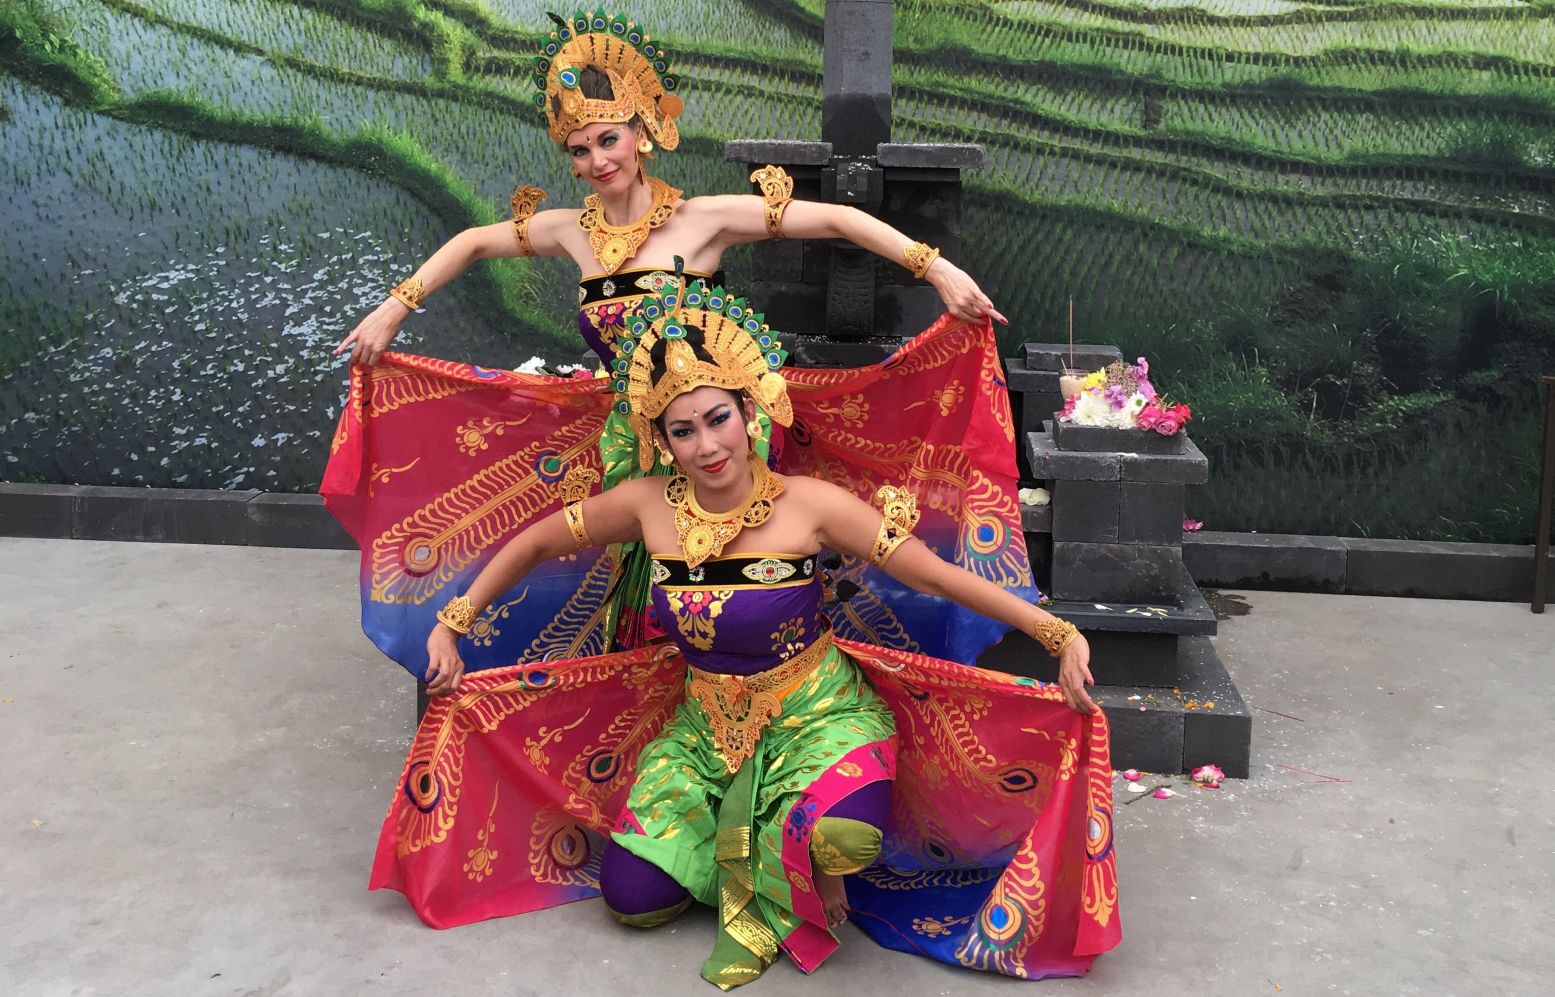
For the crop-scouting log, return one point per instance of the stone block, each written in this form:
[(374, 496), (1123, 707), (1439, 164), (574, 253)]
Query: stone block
[(1038, 409), (1266, 561), (196, 516), (1220, 736), (1021, 379), (103, 512), (280, 520), (1190, 467), (1439, 569), (1137, 659), (1048, 463), (1150, 513), (780, 152), (931, 155), (28, 510), (1056, 356), (1086, 510), (777, 259), (1068, 436), (1114, 572), (1036, 518), (1148, 739)]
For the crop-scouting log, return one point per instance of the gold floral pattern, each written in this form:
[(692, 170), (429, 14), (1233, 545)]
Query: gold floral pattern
[(788, 638), (695, 610), (935, 927), (380, 475), (471, 437), (480, 859)]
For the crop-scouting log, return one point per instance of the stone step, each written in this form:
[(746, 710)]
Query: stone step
[(1049, 463), (1165, 731)]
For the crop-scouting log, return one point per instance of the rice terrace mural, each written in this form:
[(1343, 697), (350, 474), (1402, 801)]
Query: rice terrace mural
[(1329, 225)]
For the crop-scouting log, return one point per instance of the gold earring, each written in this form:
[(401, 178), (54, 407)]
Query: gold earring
[(644, 146), (666, 458), (753, 429)]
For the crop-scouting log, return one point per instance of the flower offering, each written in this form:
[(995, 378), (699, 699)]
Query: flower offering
[(1120, 396)]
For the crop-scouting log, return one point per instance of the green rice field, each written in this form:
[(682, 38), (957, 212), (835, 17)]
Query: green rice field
[(1330, 225)]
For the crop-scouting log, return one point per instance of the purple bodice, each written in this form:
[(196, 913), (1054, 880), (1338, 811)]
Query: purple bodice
[(605, 301), (743, 614)]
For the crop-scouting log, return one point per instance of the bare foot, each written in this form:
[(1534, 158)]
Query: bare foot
[(834, 895)]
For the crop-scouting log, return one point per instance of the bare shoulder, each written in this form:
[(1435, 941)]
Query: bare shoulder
[(814, 490), (710, 205)]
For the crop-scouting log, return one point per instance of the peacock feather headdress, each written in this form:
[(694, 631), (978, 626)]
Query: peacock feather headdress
[(639, 72), (743, 354)]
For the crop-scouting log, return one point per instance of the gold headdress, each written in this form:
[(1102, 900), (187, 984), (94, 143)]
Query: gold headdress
[(744, 354), (638, 69)]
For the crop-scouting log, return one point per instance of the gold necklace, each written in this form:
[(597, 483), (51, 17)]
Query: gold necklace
[(704, 534), (613, 245)]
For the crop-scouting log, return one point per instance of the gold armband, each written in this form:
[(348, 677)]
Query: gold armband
[(410, 292), (573, 513), (458, 615), (1054, 634), (898, 516), (524, 201), (777, 189), (920, 256), (575, 487)]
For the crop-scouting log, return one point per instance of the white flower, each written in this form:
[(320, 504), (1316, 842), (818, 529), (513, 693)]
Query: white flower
[(530, 366), (1034, 496)]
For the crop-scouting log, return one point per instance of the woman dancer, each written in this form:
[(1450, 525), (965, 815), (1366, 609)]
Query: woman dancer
[(608, 96), (749, 765)]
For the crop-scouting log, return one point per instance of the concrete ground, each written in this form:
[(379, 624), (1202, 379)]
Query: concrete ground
[(197, 747)]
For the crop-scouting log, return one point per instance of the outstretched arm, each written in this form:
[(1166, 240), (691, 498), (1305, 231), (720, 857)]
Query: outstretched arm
[(849, 525), (610, 517), (742, 218), (371, 337)]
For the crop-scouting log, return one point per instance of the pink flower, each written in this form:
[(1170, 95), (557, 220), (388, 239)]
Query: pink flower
[(1192, 525), (1163, 794), (1208, 776), (1146, 388), (1131, 775), (1068, 409), (1141, 369), (1116, 397), (1148, 417), (582, 374), (1182, 412), (1169, 424)]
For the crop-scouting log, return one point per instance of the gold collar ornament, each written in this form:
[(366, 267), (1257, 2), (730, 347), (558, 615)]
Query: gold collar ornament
[(704, 534), (743, 355), (613, 245), (638, 69)]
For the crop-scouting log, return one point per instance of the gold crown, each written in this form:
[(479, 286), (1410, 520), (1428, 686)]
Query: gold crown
[(743, 355), (637, 67)]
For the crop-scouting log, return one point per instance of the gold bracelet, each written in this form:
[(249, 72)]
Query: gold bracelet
[(458, 615), (898, 516), (573, 513), (777, 189), (524, 201), (1054, 634), (410, 292), (920, 256)]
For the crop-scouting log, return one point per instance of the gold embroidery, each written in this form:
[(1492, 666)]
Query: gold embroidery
[(786, 638), (380, 475), (613, 245), (481, 858), (935, 927), (740, 707), (471, 436), (485, 630), (659, 573), (695, 610)]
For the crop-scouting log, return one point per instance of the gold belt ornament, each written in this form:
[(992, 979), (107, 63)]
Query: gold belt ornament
[(740, 707)]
